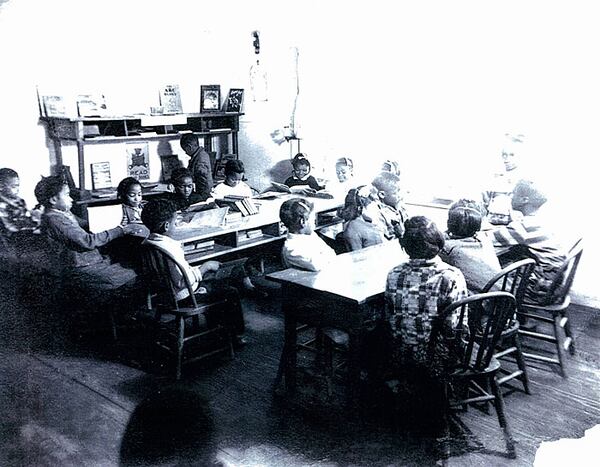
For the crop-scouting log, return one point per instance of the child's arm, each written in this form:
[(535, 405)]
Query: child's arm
[(312, 183), (70, 233)]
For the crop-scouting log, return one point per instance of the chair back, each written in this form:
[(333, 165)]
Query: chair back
[(157, 268), (513, 278), (499, 308), (563, 280)]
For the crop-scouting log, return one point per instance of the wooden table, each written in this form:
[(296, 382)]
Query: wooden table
[(345, 291), (229, 239)]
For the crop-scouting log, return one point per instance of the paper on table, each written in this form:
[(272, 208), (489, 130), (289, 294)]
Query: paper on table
[(209, 218)]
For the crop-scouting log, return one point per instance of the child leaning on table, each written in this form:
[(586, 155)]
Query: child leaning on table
[(159, 217), (301, 174), (234, 184), (303, 248)]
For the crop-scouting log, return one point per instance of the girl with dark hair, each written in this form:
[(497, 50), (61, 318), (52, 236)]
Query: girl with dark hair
[(129, 193), (468, 250), (361, 213), (301, 174)]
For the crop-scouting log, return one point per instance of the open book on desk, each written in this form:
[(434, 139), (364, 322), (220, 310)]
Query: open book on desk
[(198, 220), (302, 190)]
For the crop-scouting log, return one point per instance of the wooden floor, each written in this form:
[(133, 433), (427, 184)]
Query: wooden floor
[(69, 403)]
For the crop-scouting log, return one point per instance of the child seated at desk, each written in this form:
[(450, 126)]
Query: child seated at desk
[(301, 174), (159, 216), (361, 214), (14, 215), (416, 292), (184, 195), (473, 254), (344, 170), (303, 248), (129, 192), (234, 182), (79, 249), (393, 213)]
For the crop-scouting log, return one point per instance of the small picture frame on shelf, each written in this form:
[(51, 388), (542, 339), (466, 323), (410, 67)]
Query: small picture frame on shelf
[(234, 101), (210, 98)]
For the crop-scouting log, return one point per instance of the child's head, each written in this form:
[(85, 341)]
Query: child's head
[(189, 143), (129, 192), (358, 200), (159, 216), (53, 193), (527, 197), (234, 172), (301, 165), (464, 218), (391, 166), (9, 183), (344, 168), (422, 239), (297, 215), (511, 151), (182, 181), (388, 188)]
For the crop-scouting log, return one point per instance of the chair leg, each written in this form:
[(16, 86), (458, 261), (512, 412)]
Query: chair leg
[(568, 331), (521, 363), (445, 441), (180, 338), (499, 405), (559, 347)]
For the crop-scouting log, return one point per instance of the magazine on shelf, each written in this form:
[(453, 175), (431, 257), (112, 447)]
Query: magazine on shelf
[(101, 175), (91, 105)]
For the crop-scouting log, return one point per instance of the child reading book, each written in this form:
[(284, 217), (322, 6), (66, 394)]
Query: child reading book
[(301, 174), (234, 184), (183, 191), (129, 192)]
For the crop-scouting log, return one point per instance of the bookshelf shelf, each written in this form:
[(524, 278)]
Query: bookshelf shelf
[(130, 128)]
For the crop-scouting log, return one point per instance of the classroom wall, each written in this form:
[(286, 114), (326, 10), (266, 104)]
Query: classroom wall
[(434, 85)]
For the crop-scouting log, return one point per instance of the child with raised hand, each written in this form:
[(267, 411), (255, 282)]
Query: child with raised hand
[(392, 211), (234, 184), (301, 174), (361, 214), (303, 248), (466, 249), (14, 215), (159, 216)]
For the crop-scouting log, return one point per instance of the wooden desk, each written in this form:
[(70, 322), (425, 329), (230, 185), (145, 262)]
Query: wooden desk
[(230, 237), (345, 293)]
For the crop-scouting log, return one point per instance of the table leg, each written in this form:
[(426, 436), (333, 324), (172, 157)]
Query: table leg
[(289, 346)]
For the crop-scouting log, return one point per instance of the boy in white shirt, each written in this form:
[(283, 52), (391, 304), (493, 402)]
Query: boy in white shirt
[(303, 248), (234, 184), (159, 216)]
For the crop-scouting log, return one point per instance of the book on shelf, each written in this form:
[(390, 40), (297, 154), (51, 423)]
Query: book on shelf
[(197, 247), (54, 106), (170, 99), (91, 105), (101, 175), (243, 237)]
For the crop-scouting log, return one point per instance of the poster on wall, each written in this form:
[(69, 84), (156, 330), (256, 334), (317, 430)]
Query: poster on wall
[(138, 161)]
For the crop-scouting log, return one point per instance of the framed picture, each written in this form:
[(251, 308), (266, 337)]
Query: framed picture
[(210, 98), (101, 175), (235, 98), (169, 163)]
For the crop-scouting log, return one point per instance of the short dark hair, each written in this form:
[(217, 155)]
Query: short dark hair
[(300, 159), (179, 174), (234, 166), (354, 204), (188, 138), (464, 218), (125, 185), (156, 212), (47, 188), (422, 239), (293, 210), (7, 174)]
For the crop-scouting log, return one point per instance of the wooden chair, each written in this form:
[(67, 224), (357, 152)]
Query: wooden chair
[(478, 361), (555, 310), (163, 302), (514, 279)]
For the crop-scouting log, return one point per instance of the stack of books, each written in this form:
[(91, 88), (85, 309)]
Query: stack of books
[(198, 247), (232, 217), (240, 203), (249, 235)]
